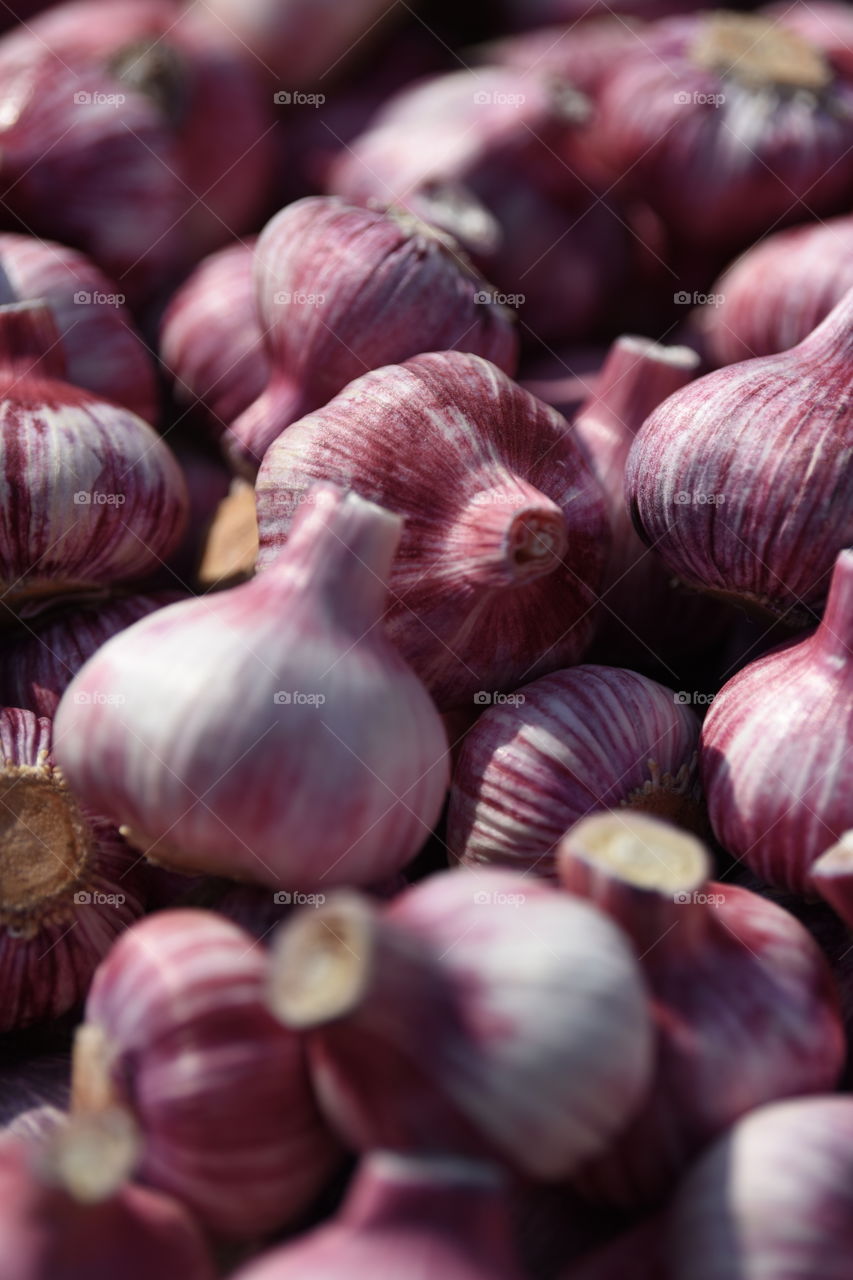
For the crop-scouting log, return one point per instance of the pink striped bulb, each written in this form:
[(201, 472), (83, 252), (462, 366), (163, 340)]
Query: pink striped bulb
[(742, 480), (702, 946), (566, 745), (177, 1036), (431, 1027), (269, 732), (779, 798), (505, 532), (342, 290), (774, 1197)]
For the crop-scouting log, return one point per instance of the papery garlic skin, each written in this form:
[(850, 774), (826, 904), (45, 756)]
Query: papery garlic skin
[(775, 748), (91, 496), (774, 1197), (402, 1213), (570, 743), (68, 883), (39, 659), (46, 1233), (269, 732), (340, 291), (103, 352), (777, 292), (727, 124), (505, 531), (431, 1022), (703, 946), (742, 480), (211, 339), (176, 1031)]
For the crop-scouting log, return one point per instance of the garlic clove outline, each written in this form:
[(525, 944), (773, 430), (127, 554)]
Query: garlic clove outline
[(238, 722)]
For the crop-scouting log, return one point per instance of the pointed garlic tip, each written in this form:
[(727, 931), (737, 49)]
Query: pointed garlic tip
[(834, 334), (832, 877), (91, 1157), (834, 635), (321, 962), (759, 52), (636, 377), (92, 1088), (511, 535), (30, 341)]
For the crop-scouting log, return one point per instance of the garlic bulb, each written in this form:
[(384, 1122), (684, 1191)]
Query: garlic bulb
[(401, 1214), (58, 1223), (778, 291), (68, 882), (774, 1197), (211, 340), (775, 748), (727, 124), (39, 660), (505, 532), (742, 480), (158, 139), (493, 156), (703, 947), (103, 352), (566, 745), (832, 876), (177, 1035), (268, 732), (341, 291), (91, 496), (431, 1023)]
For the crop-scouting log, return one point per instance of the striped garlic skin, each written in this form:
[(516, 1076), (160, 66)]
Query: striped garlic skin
[(103, 352), (39, 660), (723, 155), (778, 291), (746, 1012), (114, 165), (743, 482), (450, 443), (50, 950), (218, 1087), (89, 494), (342, 290), (211, 339), (585, 739), (406, 1216), (47, 1234), (773, 1198), (471, 967), (775, 750)]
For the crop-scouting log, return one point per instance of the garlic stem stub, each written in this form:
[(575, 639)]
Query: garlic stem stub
[(742, 480), (403, 1213), (589, 738), (774, 1197), (342, 290), (68, 882), (451, 988), (703, 946), (177, 1038), (775, 749), (269, 732), (505, 531), (61, 1218)]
